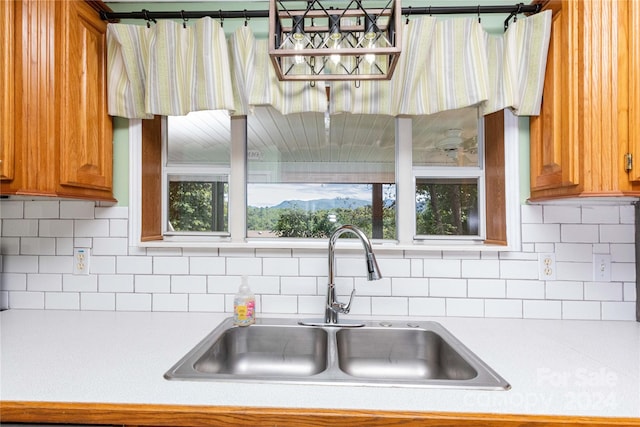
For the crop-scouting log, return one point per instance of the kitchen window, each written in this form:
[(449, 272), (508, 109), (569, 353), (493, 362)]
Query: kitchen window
[(451, 186)]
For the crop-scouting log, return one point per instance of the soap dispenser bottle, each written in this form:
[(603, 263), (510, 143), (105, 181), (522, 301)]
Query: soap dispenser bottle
[(244, 305)]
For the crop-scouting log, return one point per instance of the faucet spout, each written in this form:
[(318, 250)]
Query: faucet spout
[(333, 307)]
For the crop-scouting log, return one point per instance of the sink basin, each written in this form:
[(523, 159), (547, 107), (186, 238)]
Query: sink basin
[(401, 354), (414, 354)]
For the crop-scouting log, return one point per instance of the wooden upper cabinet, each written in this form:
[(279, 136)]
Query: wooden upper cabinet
[(7, 89), (86, 137), (61, 144), (580, 141)]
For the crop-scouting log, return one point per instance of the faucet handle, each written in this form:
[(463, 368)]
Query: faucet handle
[(340, 307)]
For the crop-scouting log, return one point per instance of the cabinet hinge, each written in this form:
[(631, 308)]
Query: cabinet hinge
[(628, 162)]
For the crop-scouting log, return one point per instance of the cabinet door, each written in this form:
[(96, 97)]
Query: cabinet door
[(555, 148), (7, 82), (634, 88), (86, 157)]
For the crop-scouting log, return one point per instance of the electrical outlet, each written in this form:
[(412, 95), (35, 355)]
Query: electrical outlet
[(81, 258), (601, 267), (547, 266)]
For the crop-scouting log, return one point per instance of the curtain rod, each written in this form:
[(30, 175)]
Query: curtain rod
[(408, 11)]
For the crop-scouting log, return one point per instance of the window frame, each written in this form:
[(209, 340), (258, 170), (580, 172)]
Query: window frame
[(145, 155)]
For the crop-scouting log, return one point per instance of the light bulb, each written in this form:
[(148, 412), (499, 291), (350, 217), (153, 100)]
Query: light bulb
[(334, 43)]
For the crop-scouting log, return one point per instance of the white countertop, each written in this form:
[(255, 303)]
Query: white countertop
[(555, 367)]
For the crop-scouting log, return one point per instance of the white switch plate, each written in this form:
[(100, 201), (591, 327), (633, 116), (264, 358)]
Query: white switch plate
[(81, 258), (601, 267), (547, 266)]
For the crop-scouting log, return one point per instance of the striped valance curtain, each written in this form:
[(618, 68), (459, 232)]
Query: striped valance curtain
[(445, 64)]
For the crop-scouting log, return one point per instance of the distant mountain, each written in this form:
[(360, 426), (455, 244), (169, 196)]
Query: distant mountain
[(322, 204)]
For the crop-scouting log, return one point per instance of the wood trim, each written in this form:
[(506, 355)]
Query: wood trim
[(230, 416), (151, 224), (496, 221)]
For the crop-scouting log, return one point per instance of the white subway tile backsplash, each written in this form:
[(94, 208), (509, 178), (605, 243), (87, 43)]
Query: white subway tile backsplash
[(206, 302), (189, 284), (55, 264), (620, 233), (503, 308), (298, 286), (561, 214), (279, 304), (102, 264), (409, 287), (486, 288), (389, 306), (574, 271), (62, 300), (463, 307), (519, 269), (170, 265), (531, 214), (573, 252), (533, 309), (623, 252), (26, 300), (37, 246), (427, 306), (581, 310), (447, 287), (42, 209), (64, 246), (312, 305), (244, 266), (81, 283), (91, 228), (603, 291), (206, 265), (98, 301), (77, 210), (392, 267), (115, 283), (110, 246), (480, 268), (619, 311), (10, 245), (44, 282), (134, 265), (442, 268), (564, 290), (20, 227), (525, 289), (133, 302), (11, 209), (170, 302), (532, 233), (38, 237), (627, 214), (154, 284), (600, 215), (280, 267), (13, 281), (578, 233)]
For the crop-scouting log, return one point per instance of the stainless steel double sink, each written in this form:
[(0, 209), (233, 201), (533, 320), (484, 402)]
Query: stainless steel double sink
[(412, 354)]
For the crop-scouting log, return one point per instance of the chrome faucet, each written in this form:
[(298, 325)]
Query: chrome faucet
[(333, 307)]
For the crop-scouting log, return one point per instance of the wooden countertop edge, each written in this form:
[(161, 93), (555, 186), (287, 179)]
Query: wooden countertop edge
[(229, 416)]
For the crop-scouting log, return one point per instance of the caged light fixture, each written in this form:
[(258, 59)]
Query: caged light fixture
[(334, 39)]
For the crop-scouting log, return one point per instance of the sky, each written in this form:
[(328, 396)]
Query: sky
[(263, 195)]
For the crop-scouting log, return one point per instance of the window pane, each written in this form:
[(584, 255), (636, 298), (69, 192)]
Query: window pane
[(447, 207), (449, 138), (309, 173), (198, 204), (199, 137)]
